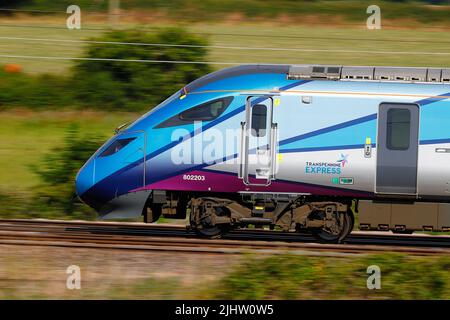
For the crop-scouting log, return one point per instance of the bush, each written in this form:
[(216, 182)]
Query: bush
[(112, 85), (13, 204), (123, 85), (57, 173), (301, 277), (22, 90)]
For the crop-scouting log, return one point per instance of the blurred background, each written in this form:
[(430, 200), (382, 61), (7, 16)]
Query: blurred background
[(64, 91)]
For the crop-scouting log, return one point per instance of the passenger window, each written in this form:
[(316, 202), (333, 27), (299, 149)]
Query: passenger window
[(259, 120), (116, 146), (205, 112), (398, 129)]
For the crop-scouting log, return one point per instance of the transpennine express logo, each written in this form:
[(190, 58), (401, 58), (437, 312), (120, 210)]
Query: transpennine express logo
[(343, 159), (327, 167)]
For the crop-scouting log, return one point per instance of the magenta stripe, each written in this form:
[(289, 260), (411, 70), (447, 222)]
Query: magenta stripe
[(225, 182)]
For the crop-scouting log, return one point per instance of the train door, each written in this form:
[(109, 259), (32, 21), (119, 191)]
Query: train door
[(258, 142), (397, 148)]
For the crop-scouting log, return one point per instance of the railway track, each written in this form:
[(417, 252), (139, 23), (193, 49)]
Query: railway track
[(158, 237)]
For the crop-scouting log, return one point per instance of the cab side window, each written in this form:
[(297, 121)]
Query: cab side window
[(204, 112), (116, 146)]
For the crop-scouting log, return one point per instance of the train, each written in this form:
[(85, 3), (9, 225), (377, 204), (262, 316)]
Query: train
[(296, 148)]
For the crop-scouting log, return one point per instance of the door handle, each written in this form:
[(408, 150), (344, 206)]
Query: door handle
[(242, 157), (273, 141)]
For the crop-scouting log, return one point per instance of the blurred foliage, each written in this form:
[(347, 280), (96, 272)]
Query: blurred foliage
[(133, 85), (260, 276), (213, 10), (13, 205), (58, 171), (42, 91), (300, 277), (113, 85)]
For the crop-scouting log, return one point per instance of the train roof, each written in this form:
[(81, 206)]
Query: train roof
[(236, 71), (330, 72)]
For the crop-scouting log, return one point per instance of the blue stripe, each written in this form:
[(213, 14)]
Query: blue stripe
[(435, 141), (426, 101), (294, 84), (329, 129), (353, 146)]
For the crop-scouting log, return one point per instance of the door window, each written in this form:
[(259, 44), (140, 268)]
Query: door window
[(398, 129), (259, 120)]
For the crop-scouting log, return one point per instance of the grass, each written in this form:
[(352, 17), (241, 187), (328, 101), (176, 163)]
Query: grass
[(26, 136), (323, 38), (41, 28), (282, 276), (267, 33)]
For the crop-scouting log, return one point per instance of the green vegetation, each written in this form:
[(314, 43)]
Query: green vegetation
[(286, 276), (131, 85), (297, 277), (27, 136), (40, 91), (213, 10), (327, 45), (38, 27), (57, 172), (29, 139), (111, 83), (54, 196)]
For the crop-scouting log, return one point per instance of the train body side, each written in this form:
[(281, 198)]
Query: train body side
[(326, 142)]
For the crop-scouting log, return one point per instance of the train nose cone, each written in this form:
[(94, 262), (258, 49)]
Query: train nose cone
[(84, 180)]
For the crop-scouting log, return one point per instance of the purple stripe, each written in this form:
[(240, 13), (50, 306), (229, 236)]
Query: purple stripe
[(218, 181)]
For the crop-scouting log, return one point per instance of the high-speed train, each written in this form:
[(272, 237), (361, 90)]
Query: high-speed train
[(295, 147)]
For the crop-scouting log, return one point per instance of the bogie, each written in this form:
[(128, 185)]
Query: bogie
[(212, 217)]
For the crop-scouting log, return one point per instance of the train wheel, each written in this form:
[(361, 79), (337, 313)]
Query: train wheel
[(209, 232), (203, 223), (342, 228)]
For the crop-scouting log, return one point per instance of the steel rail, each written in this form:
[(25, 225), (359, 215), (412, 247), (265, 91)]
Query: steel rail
[(142, 229), (139, 236)]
